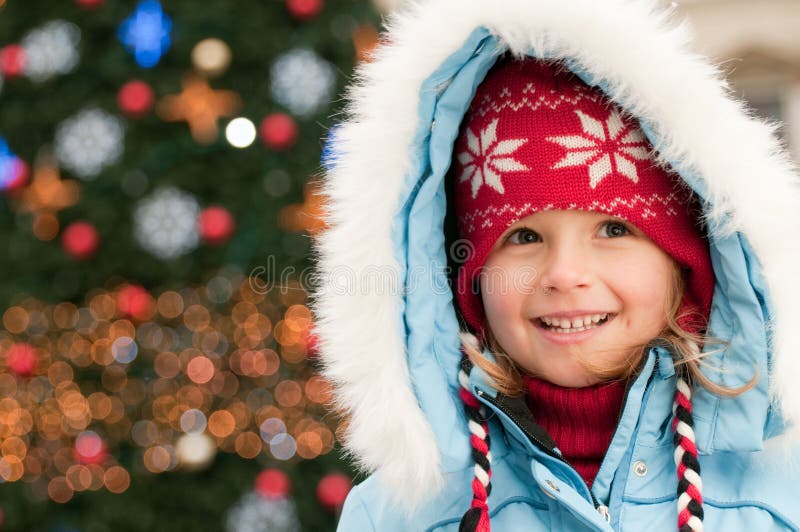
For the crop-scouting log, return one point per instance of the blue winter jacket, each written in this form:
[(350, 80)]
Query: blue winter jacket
[(388, 328)]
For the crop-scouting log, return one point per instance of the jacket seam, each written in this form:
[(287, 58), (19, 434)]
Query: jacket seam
[(493, 509), (710, 501), (721, 503)]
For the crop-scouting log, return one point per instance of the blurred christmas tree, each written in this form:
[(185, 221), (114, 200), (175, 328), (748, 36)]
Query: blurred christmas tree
[(156, 176)]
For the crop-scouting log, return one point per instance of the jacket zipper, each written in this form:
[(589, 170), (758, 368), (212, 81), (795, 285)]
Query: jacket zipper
[(601, 508)]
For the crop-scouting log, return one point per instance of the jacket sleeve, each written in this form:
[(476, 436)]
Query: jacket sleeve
[(355, 516)]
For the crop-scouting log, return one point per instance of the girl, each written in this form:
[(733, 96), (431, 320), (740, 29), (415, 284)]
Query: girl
[(615, 350)]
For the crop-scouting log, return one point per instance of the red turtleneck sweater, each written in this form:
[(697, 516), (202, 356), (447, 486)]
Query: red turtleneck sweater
[(581, 421)]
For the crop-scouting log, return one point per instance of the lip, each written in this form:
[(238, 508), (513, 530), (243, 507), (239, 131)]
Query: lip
[(569, 338)]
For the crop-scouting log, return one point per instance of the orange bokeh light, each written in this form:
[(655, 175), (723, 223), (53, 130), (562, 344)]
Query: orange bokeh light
[(11, 468), (167, 365), (15, 320), (158, 459), (116, 479), (170, 304), (59, 490), (221, 423), (288, 393), (248, 445), (196, 317), (200, 369), (318, 389), (65, 315), (99, 405), (79, 477), (309, 445), (14, 446)]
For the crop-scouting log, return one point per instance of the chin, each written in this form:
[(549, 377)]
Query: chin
[(575, 378)]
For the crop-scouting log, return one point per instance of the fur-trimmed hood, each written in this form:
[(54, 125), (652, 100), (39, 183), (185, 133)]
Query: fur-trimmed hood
[(384, 314)]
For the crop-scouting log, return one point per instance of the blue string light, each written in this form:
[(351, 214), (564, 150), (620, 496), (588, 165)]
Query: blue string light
[(146, 33), (10, 165)]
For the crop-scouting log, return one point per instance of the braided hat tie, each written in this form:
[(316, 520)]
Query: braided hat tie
[(690, 485)]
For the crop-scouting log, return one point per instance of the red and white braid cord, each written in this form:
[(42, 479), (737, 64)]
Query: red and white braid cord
[(690, 485), (476, 519)]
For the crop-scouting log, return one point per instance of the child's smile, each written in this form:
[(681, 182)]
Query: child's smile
[(572, 327), (562, 283)]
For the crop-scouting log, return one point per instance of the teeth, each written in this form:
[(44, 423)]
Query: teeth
[(574, 330), (575, 325)]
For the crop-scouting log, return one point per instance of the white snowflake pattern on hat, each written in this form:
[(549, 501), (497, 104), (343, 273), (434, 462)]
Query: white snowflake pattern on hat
[(604, 147), (486, 159)]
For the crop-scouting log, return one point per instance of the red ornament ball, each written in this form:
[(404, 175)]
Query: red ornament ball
[(278, 131), (304, 9), (135, 98), (216, 225), (80, 240), (12, 60), (332, 490), (89, 448), (21, 359), (89, 4), (135, 302), (272, 484)]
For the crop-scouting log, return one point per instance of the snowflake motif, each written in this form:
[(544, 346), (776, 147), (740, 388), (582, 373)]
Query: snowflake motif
[(486, 159), (89, 141), (165, 223), (605, 148), (51, 50), (302, 81), (256, 513)]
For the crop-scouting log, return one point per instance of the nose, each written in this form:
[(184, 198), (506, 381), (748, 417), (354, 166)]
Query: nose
[(565, 267)]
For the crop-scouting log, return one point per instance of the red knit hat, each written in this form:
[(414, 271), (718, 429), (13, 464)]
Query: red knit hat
[(538, 138)]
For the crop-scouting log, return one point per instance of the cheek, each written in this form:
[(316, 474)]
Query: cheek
[(645, 288), (502, 301)]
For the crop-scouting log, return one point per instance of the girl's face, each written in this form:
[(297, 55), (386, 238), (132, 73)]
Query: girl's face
[(552, 275)]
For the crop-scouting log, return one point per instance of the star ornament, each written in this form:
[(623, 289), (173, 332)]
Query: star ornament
[(604, 147), (146, 33), (46, 195), (486, 159), (200, 106)]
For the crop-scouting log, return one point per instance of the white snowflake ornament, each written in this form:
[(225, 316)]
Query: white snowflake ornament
[(604, 147), (486, 159), (302, 81), (165, 223), (88, 141), (254, 513), (51, 49)]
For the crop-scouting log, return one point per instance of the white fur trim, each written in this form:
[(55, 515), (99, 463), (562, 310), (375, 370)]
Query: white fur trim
[(632, 46)]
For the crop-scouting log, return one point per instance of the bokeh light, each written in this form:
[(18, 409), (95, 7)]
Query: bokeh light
[(283, 446), (217, 368), (240, 132)]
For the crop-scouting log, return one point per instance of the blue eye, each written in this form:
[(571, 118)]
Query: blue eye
[(616, 229), (523, 236)]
